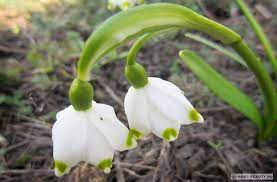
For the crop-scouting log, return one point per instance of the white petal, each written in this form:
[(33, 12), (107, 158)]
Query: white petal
[(169, 99), (69, 137), (136, 109), (164, 85), (98, 148), (171, 90), (105, 120), (160, 124)]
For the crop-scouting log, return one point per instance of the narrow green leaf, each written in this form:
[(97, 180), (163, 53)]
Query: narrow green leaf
[(221, 87), (259, 33)]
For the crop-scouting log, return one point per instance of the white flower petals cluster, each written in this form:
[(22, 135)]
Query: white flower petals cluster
[(95, 134), (159, 107), (91, 136)]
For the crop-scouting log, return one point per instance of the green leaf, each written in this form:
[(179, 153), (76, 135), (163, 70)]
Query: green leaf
[(221, 87), (259, 33)]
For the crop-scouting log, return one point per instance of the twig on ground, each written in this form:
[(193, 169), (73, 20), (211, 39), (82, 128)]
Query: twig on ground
[(132, 173), (207, 176), (125, 164), (119, 173), (110, 92), (163, 159), (24, 171)]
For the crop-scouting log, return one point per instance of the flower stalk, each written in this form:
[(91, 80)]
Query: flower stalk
[(268, 92), (137, 21)]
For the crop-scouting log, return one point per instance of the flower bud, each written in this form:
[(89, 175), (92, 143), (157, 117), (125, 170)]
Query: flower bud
[(136, 75), (80, 95)]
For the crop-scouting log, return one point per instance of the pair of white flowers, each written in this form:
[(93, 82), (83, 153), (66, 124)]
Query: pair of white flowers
[(95, 134), (123, 4)]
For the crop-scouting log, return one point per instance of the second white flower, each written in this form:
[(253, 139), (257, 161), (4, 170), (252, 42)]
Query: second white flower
[(159, 107)]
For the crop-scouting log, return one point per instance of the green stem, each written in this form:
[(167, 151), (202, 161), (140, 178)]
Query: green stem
[(263, 79), (260, 34), (131, 58), (137, 21)]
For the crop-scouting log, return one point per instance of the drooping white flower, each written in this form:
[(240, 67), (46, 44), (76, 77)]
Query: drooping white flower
[(123, 4), (91, 136), (159, 107)]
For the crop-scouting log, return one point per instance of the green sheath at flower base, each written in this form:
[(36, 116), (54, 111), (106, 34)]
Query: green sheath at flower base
[(136, 75), (81, 95)]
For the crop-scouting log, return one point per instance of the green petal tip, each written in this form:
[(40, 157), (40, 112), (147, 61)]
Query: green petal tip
[(105, 165), (61, 168), (135, 133), (130, 141), (194, 116), (170, 134)]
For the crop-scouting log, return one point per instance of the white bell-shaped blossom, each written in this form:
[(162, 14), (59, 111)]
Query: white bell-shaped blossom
[(91, 136), (159, 107), (123, 4)]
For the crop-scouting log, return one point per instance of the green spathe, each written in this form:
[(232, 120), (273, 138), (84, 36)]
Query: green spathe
[(81, 95), (136, 75)]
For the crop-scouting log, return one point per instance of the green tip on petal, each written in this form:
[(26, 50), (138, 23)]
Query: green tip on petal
[(194, 115), (135, 133), (105, 165), (61, 168), (130, 141), (169, 134)]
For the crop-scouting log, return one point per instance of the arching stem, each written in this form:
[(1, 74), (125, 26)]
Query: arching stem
[(260, 34), (264, 81), (131, 58)]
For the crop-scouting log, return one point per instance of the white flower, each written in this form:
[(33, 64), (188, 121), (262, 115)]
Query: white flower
[(91, 136), (123, 4), (159, 107)]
